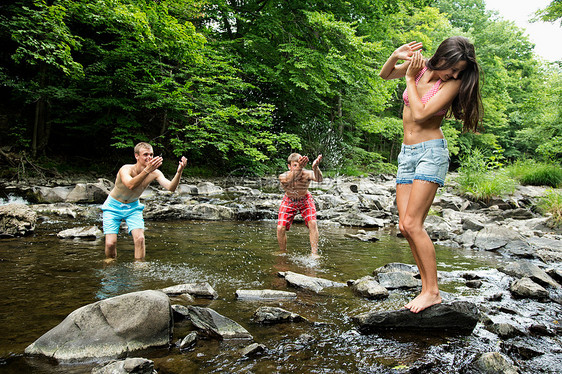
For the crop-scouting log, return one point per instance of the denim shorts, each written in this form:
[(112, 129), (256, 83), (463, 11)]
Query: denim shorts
[(115, 211), (426, 161)]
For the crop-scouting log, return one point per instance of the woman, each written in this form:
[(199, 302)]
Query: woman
[(446, 83)]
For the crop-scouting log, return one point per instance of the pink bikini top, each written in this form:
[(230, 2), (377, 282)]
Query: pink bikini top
[(428, 95)]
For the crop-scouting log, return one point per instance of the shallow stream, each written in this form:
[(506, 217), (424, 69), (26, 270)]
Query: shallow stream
[(44, 278)]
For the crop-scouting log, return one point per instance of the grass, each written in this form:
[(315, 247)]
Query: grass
[(535, 173), (551, 203), (486, 185)]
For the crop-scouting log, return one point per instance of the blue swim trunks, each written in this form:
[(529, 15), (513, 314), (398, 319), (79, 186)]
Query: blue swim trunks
[(427, 161), (115, 211)]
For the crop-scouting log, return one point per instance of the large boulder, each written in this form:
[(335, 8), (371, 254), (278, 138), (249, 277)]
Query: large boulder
[(456, 316), (16, 220), (90, 192), (109, 328)]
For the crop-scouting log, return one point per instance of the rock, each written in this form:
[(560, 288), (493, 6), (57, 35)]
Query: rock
[(369, 288), (270, 315), (474, 283), (526, 288), (180, 312), (208, 188), (201, 289), (109, 328), (396, 266), (252, 350), (264, 295), (371, 236), (492, 363), (211, 212), (49, 195), (522, 269), (505, 330), (540, 330), (518, 213), (398, 279), (471, 223), (16, 220), (187, 189), (437, 228), (129, 365), (189, 341), (459, 316), (494, 237), (216, 325), (90, 232), (520, 348), (359, 220), (309, 283), (90, 192)]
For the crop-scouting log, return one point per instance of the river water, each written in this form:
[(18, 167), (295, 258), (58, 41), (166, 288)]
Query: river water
[(44, 278)]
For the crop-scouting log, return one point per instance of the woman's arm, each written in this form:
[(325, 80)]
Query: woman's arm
[(390, 69), (422, 112)]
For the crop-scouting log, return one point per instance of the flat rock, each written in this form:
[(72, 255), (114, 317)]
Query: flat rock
[(216, 325), (130, 365), (90, 232), (459, 316), (264, 295), (201, 289), (269, 314), (309, 283)]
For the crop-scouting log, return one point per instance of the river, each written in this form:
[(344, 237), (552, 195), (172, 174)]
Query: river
[(44, 278)]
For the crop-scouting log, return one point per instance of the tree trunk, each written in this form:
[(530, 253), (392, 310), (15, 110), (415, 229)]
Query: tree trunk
[(38, 140)]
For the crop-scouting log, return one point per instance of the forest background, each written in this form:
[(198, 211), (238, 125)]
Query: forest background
[(237, 85)]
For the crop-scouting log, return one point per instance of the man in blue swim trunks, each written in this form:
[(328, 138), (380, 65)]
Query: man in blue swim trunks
[(123, 200)]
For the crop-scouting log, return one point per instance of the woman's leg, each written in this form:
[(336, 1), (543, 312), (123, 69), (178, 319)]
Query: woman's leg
[(418, 203)]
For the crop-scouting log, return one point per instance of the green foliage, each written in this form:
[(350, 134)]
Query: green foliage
[(536, 173), (479, 181), (552, 12), (551, 203)]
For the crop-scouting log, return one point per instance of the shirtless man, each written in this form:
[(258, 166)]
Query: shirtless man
[(123, 200), (297, 199)]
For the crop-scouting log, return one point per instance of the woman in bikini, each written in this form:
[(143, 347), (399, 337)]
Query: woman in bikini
[(448, 82)]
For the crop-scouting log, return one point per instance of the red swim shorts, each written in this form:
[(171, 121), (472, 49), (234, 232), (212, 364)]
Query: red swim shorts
[(289, 209)]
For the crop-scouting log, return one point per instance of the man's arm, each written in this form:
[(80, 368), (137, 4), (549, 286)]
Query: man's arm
[(173, 184), (316, 173), (287, 179)]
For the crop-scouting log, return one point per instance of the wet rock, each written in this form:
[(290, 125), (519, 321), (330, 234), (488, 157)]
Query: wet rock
[(474, 283), (90, 192), (201, 289), (521, 348), (189, 341), (270, 315), (364, 236), (309, 283), (398, 279), (526, 288), (109, 328), (459, 316), (253, 350), (470, 276), (90, 232), (505, 330), (437, 228), (396, 266), (180, 312), (264, 295), (522, 269), (16, 220), (216, 325), (211, 212), (129, 365), (187, 189), (368, 287), (471, 223), (540, 330), (492, 363)]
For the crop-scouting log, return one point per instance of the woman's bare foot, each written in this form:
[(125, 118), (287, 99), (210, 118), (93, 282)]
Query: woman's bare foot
[(423, 301)]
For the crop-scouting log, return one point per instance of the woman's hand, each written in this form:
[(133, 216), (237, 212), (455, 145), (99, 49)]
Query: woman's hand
[(406, 51), (416, 64)]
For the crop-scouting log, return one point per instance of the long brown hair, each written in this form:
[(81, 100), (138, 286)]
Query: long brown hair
[(467, 105)]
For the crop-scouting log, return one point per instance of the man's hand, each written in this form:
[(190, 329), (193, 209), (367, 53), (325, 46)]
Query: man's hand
[(316, 162), (303, 161), (182, 164), (153, 164)]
